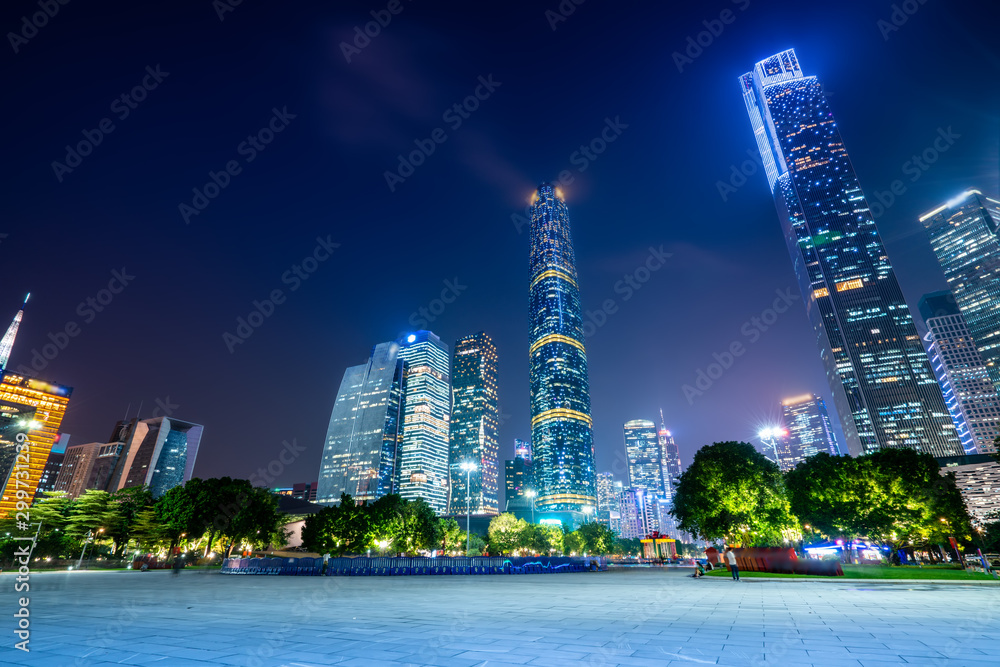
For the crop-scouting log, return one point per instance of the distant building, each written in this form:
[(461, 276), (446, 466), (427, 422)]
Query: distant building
[(423, 467), (965, 381), (160, 454), (671, 458), (963, 233), (48, 401), (518, 477), (645, 460), (361, 452), (631, 514), (809, 430), (474, 426), (606, 497), (14, 419), (47, 482), (305, 491), (875, 364), (978, 478)]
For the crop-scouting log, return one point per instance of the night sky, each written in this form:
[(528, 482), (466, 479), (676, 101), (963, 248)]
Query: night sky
[(213, 83)]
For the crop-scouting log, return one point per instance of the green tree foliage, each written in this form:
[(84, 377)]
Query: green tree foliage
[(420, 527), (627, 546), (257, 521), (452, 536), (124, 507), (573, 543), (403, 526), (477, 545), (90, 514), (541, 539), (731, 491), (597, 539), (506, 533)]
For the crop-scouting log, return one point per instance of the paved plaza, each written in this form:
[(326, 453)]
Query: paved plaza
[(639, 617)]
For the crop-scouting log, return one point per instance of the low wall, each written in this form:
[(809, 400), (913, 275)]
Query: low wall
[(385, 566)]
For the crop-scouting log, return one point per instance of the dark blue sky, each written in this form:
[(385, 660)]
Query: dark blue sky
[(342, 126)]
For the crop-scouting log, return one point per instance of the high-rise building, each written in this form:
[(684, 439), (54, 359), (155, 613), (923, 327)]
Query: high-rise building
[(561, 426), (160, 454), (517, 477), (808, 426), (423, 467), (47, 482), (645, 459), (15, 420), (631, 514), (963, 234), (361, 452), (977, 477), (671, 458), (48, 402), (7, 343), (607, 499), (474, 426), (883, 387), (968, 391)]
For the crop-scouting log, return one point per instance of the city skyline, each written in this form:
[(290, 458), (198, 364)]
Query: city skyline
[(322, 329)]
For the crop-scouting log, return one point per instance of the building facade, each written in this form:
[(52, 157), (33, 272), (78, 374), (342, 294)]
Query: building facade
[(671, 458), (475, 423), (423, 467), (47, 482), (882, 383), (965, 381), (561, 425), (808, 426), (607, 499), (361, 451), (518, 478), (963, 235), (978, 479), (631, 514), (645, 458), (47, 402), (160, 454)]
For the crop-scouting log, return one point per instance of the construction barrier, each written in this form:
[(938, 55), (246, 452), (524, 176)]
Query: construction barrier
[(384, 566)]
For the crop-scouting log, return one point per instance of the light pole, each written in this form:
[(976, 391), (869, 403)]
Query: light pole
[(531, 493), (468, 467), (587, 511)]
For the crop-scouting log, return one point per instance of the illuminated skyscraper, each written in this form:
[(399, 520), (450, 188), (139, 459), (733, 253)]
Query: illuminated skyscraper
[(360, 456), (160, 454), (645, 459), (876, 366), (517, 478), (671, 462), (963, 234), (808, 425), (423, 467), (607, 497), (965, 382), (7, 343), (561, 427), (48, 401), (474, 425)]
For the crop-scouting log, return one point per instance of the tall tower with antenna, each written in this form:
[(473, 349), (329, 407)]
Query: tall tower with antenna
[(7, 344)]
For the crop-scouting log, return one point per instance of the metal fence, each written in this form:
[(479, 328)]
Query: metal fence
[(383, 566)]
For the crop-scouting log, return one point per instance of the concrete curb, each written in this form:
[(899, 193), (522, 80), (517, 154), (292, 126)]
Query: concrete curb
[(845, 580)]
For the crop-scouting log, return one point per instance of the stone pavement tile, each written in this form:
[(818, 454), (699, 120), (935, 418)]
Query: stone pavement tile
[(203, 654), (632, 661), (491, 657)]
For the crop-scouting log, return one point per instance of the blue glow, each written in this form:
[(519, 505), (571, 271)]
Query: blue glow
[(410, 338)]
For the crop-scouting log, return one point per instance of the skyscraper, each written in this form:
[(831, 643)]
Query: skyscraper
[(968, 391), (607, 499), (517, 477), (360, 455), (876, 366), (160, 453), (474, 426), (561, 426), (48, 402), (47, 482), (808, 425), (7, 343), (963, 234), (645, 459), (423, 467), (671, 458)]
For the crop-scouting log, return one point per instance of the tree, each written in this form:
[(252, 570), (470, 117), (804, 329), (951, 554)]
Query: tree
[(627, 546), (179, 514), (339, 529), (506, 533), (90, 514), (124, 507), (476, 544), (573, 543), (833, 494), (597, 538), (452, 536), (257, 521), (419, 530), (147, 530), (731, 491), (541, 539), (385, 523)]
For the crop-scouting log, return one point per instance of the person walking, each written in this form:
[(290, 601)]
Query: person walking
[(731, 559)]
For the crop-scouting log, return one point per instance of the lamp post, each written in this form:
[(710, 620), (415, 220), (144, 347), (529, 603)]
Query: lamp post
[(531, 493), (468, 467), (587, 511)]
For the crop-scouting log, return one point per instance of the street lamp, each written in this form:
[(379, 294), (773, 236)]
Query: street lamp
[(531, 493), (468, 467), (587, 511)]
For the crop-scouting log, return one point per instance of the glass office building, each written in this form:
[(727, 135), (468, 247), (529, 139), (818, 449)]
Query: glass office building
[(965, 382), (884, 390), (160, 453), (808, 426), (360, 455), (474, 426), (963, 234), (671, 462), (423, 460), (645, 458), (561, 426)]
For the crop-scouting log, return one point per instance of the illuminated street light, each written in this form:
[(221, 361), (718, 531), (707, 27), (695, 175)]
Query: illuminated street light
[(531, 493)]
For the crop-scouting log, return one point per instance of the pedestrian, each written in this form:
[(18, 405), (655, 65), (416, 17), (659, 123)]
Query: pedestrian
[(178, 564), (326, 562), (699, 571), (731, 559)]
